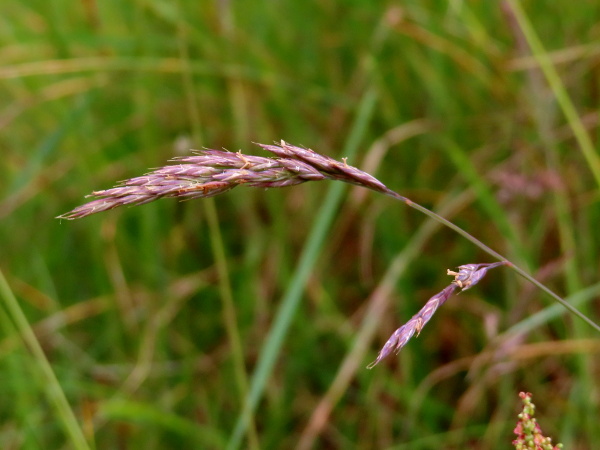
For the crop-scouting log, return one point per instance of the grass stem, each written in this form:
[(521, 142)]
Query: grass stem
[(51, 385)]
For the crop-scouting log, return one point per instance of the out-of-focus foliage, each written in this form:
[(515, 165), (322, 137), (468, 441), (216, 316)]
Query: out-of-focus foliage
[(132, 307)]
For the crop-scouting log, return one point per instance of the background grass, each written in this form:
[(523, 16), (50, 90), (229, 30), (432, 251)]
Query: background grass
[(159, 326)]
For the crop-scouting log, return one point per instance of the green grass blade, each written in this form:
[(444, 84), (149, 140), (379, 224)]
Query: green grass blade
[(51, 385), (562, 96)]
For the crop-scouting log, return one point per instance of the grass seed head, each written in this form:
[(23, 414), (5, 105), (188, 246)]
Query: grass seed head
[(214, 172)]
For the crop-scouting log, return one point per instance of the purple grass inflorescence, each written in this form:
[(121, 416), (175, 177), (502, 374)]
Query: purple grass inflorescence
[(467, 276), (213, 172)]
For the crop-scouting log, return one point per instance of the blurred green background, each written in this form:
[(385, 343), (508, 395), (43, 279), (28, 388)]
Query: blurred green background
[(152, 327)]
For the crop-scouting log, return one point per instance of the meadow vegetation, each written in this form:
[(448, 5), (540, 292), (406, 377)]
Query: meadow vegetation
[(248, 320)]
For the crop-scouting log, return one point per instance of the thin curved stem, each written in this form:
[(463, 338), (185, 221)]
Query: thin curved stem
[(493, 253)]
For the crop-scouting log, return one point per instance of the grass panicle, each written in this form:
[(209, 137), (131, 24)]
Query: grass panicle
[(402, 335), (467, 276), (213, 172)]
